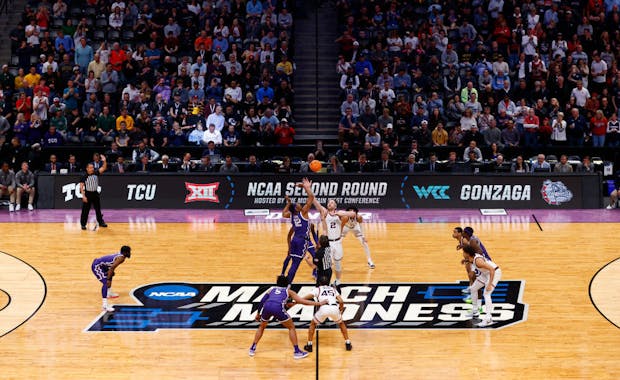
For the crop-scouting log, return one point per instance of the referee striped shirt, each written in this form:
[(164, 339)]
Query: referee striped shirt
[(323, 259), (91, 182)]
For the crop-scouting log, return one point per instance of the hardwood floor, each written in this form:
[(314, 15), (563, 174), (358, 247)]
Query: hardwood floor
[(563, 337)]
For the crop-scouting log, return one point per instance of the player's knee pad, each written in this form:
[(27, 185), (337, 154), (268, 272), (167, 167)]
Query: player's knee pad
[(338, 265)]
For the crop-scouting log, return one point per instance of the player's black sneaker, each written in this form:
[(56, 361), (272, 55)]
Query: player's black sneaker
[(103, 225), (83, 227), (349, 346), (308, 347)]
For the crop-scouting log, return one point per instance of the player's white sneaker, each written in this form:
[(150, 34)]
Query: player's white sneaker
[(371, 265), (30, 207), (112, 294), (11, 207), (300, 354), (466, 290), (473, 314), (609, 207), (336, 282), (485, 323), (18, 207), (108, 308), (252, 351)]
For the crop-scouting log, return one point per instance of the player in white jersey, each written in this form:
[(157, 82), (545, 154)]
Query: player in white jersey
[(332, 220), (487, 279), (332, 309), (354, 224)]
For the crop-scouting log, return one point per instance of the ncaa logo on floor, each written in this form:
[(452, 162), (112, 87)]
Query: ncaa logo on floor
[(368, 306)]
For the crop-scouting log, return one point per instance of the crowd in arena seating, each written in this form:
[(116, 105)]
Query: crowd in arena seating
[(159, 74), (498, 74)]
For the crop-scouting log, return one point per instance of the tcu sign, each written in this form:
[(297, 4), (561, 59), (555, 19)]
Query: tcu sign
[(72, 190), (141, 192)]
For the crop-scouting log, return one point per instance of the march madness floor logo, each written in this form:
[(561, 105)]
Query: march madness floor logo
[(178, 305)]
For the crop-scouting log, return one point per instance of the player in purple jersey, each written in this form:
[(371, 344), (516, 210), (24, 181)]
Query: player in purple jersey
[(471, 239), (301, 235), (103, 268), (457, 233), (272, 305), (312, 246)]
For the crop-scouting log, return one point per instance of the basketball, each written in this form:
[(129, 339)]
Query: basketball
[(315, 165)]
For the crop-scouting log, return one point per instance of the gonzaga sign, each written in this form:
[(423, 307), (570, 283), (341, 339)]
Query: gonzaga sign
[(378, 306), (368, 191)]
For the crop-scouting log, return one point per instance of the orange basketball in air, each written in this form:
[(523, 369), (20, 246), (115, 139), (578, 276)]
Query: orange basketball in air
[(315, 165)]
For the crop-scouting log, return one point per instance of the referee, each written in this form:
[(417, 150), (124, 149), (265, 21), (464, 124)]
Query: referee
[(90, 197), (322, 261)]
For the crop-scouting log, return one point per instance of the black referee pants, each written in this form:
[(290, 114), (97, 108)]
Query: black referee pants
[(93, 200), (324, 273)]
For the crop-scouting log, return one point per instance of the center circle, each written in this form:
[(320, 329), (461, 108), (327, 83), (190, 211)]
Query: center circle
[(4, 299)]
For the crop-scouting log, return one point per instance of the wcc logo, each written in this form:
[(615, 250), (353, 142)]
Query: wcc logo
[(375, 306), (555, 193), (434, 192)]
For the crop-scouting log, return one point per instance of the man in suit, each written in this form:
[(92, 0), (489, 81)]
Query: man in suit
[(409, 166), (363, 166), (143, 166), (166, 166), (72, 165), (432, 165), (206, 165), (385, 164), (120, 166), (253, 165), (53, 166)]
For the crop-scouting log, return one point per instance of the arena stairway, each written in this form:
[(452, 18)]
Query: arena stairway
[(315, 79)]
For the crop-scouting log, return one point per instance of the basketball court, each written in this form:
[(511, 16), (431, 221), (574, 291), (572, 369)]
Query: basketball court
[(562, 274)]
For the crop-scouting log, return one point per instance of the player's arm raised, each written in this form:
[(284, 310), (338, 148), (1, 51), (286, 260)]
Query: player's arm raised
[(286, 213), (303, 301), (307, 185)]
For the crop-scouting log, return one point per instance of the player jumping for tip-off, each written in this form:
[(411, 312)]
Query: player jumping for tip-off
[(332, 220)]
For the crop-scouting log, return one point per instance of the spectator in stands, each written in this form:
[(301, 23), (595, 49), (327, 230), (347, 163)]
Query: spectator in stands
[(52, 138), (540, 164), (143, 151), (613, 131), (473, 148), (363, 166), (576, 126), (531, 125), (385, 164), (212, 135), (217, 119), (598, 128), (7, 184), (284, 133), (563, 166), (53, 166), (520, 166), (24, 183)]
